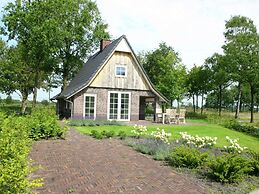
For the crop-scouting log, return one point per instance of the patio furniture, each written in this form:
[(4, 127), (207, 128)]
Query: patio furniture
[(181, 118), (159, 115), (171, 116)]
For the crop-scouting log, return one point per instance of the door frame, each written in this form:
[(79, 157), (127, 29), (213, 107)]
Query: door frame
[(95, 101), (119, 106)]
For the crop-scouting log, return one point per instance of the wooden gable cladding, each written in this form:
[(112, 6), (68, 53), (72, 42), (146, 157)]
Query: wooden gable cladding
[(133, 80)]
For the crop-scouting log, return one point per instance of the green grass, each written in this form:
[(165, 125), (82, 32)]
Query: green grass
[(194, 128)]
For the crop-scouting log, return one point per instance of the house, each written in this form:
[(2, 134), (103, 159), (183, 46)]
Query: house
[(112, 85)]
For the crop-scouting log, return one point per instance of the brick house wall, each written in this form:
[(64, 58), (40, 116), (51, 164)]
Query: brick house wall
[(102, 102)]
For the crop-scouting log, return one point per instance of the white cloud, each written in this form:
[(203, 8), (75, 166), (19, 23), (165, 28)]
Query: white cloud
[(194, 28)]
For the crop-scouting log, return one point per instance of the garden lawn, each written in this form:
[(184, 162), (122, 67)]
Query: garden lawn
[(204, 129)]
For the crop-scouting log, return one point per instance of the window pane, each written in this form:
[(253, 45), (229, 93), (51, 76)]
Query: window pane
[(120, 71), (89, 107)]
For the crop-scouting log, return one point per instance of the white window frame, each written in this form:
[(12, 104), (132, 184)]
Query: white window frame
[(95, 101), (119, 106), (126, 70)]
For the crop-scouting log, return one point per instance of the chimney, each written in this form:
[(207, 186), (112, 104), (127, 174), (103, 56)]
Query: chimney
[(104, 43)]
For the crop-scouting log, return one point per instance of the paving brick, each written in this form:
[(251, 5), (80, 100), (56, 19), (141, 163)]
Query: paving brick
[(81, 164)]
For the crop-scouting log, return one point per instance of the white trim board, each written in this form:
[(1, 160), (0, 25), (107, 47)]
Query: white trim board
[(95, 101), (119, 107)]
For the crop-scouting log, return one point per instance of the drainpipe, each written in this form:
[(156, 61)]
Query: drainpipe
[(72, 107)]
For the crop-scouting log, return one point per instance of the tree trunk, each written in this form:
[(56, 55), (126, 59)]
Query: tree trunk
[(238, 101), (220, 100), (25, 95), (197, 99), (202, 97), (193, 103), (252, 104), (171, 103), (34, 99)]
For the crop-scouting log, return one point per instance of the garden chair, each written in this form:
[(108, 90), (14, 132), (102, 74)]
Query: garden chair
[(181, 118), (171, 116), (159, 115)]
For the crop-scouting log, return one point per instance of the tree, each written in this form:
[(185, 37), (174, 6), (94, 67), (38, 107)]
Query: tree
[(220, 79), (79, 28), (56, 35), (15, 74), (166, 71), (242, 51)]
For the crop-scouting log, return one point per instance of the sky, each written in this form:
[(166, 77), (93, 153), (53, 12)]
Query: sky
[(194, 28)]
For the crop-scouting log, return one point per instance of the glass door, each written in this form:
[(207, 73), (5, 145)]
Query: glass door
[(119, 106)]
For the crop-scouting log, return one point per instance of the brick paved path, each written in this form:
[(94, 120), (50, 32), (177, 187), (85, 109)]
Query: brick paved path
[(81, 164)]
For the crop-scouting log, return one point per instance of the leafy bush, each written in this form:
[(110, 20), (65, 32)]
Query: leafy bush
[(161, 135), (2, 118), (229, 168), (216, 119), (139, 130), (159, 150), (108, 134), (122, 135), (199, 142), (96, 134), (187, 157), (91, 123), (254, 163), (43, 124), (14, 150), (246, 128), (234, 147), (194, 115)]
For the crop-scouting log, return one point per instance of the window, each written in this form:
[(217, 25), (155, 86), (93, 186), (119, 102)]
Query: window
[(90, 106), (121, 71), (119, 106)]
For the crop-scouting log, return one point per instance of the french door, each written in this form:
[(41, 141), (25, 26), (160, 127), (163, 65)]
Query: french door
[(119, 106)]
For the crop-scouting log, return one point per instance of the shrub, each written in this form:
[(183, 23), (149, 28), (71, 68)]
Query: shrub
[(199, 142), (254, 163), (122, 135), (150, 146), (108, 134), (139, 130), (194, 115), (234, 147), (91, 123), (2, 118), (187, 157), (96, 134), (161, 135), (246, 128), (229, 168), (14, 150), (43, 124)]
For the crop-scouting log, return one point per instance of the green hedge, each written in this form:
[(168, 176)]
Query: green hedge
[(16, 136), (237, 126), (43, 124), (14, 150), (85, 122), (187, 157)]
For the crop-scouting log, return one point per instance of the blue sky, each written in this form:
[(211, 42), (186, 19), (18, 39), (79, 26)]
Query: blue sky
[(194, 28)]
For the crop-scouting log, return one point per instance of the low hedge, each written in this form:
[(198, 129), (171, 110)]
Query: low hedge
[(15, 146), (187, 157), (16, 136), (92, 123), (237, 126), (43, 124)]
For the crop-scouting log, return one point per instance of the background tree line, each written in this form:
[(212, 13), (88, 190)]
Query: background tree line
[(53, 38)]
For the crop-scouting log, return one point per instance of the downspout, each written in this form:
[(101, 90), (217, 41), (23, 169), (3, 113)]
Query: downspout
[(72, 107)]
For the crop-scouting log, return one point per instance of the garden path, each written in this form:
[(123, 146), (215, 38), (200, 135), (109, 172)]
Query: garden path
[(81, 164)]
